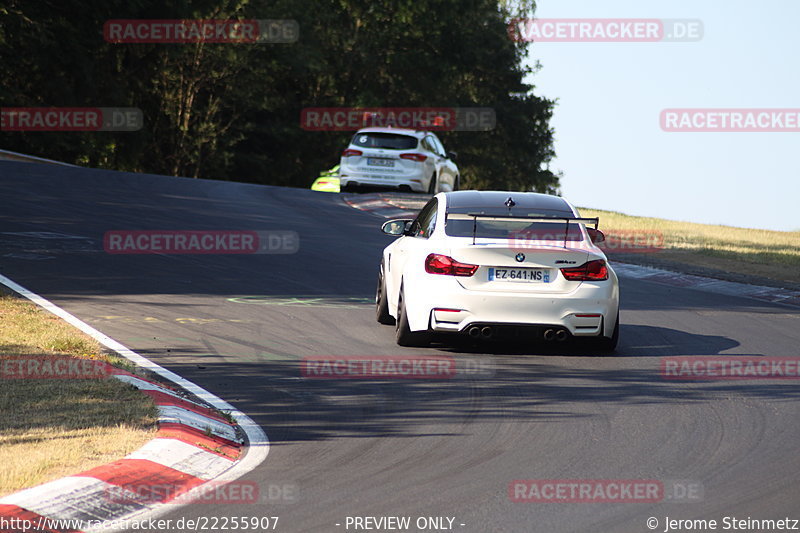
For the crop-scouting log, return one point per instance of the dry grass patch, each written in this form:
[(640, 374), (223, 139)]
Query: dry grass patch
[(771, 254), (55, 427)]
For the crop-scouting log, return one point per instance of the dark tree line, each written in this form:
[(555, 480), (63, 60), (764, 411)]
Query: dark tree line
[(232, 111)]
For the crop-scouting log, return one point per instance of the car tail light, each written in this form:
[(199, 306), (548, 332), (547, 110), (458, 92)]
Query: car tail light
[(419, 158), (592, 271), (350, 152), (442, 264)]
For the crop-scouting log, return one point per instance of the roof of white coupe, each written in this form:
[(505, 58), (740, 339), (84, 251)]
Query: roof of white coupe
[(524, 200)]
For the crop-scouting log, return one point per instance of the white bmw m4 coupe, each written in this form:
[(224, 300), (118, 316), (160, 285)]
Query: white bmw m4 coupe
[(494, 264)]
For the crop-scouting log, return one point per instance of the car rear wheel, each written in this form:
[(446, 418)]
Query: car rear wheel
[(382, 302), (406, 337), (609, 344)]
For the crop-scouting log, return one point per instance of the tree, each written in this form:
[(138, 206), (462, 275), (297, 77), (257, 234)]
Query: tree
[(232, 111)]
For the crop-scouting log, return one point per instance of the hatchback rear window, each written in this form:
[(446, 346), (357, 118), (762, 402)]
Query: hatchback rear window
[(389, 141)]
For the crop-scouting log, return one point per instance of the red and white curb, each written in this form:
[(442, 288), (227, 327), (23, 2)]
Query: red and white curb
[(385, 205), (194, 445)]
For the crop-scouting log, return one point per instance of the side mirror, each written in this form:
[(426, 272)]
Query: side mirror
[(398, 226), (596, 235), (452, 155)]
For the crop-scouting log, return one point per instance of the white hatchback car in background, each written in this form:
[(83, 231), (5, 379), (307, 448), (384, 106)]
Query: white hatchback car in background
[(498, 264), (412, 160)]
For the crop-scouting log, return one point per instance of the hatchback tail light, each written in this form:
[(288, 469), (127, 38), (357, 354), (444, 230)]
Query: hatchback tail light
[(350, 152), (442, 264), (419, 158), (592, 271)]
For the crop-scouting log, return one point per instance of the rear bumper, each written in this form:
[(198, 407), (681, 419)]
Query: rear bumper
[(575, 326), (352, 178), (589, 310)]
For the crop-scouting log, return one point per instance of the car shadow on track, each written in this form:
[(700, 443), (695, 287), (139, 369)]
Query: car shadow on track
[(489, 388), (635, 341)]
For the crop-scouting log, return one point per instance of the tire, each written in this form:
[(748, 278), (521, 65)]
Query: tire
[(455, 183), (609, 344), (406, 337), (382, 302), (432, 185)]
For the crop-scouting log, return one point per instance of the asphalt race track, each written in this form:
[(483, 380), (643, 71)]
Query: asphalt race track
[(239, 325)]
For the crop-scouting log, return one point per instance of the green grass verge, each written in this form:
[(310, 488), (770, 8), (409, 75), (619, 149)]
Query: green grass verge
[(771, 254), (51, 428)]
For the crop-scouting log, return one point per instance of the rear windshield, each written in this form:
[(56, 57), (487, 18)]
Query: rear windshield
[(459, 224), (390, 141)]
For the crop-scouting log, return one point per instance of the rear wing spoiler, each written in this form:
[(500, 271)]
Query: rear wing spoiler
[(567, 220)]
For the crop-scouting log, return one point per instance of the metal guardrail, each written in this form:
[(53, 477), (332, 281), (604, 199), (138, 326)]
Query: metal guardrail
[(14, 156)]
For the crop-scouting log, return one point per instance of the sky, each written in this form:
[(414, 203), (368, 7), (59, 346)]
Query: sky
[(608, 138)]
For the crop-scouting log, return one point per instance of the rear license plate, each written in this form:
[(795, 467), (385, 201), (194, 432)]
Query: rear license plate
[(378, 162), (530, 275)]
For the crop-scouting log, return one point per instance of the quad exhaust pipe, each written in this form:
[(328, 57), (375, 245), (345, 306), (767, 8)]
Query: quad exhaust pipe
[(555, 335), (484, 332), (550, 334)]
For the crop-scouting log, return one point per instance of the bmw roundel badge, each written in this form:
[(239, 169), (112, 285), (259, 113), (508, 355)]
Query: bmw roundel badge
[(520, 258)]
